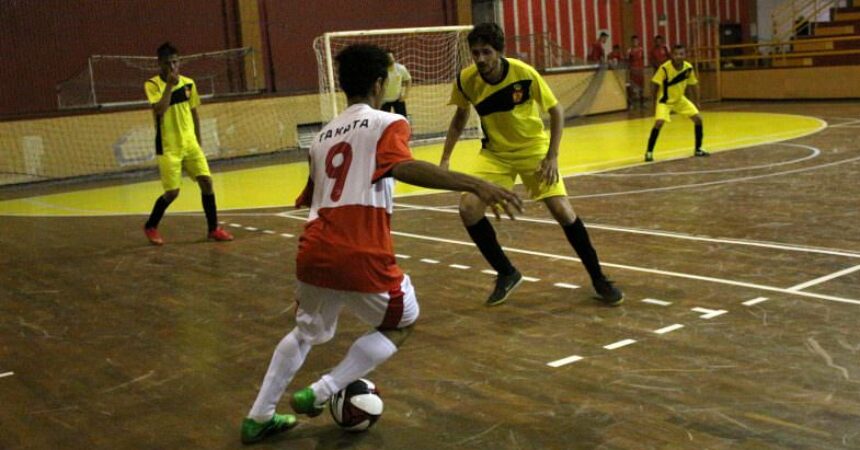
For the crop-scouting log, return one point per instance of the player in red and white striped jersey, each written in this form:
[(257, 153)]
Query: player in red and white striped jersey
[(346, 256)]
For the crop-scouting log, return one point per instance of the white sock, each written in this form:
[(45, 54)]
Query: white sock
[(288, 358), (366, 353)]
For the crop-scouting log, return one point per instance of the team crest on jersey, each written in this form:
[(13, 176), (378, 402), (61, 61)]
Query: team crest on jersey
[(517, 94)]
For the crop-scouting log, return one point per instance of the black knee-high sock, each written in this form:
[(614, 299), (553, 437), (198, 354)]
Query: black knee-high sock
[(652, 140), (210, 210), (157, 212), (485, 238), (699, 133), (578, 238)]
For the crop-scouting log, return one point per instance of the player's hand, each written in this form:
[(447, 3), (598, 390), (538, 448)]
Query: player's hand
[(547, 173), (173, 77), (499, 199), (444, 163)]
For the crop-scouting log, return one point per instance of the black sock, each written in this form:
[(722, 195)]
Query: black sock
[(698, 137), (484, 236), (157, 212), (578, 238), (652, 140), (210, 210)]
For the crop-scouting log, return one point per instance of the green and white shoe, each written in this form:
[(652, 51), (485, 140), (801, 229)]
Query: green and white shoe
[(304, 401), (253, 431)]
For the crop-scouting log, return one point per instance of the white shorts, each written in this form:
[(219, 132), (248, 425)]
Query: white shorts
[(319, 308)]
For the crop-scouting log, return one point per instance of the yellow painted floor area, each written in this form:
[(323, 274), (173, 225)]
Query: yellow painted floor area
[(584, 149)]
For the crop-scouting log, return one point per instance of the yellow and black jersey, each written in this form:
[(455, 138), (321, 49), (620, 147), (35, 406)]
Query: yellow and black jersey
[(673, 82), (510, 110), (174, 130)]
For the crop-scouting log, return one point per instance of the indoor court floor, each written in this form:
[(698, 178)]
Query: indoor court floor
[(739, 329)]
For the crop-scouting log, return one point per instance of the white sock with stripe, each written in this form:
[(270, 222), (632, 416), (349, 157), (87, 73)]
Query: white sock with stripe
[(288, 358), (366, 353)]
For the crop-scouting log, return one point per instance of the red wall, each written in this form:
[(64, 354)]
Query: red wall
[(47, 41), (292, 27), (43, 42), (589, 16)]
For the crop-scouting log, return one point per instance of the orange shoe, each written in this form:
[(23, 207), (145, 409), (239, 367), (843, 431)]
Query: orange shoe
[(153, 236), (220, 234)]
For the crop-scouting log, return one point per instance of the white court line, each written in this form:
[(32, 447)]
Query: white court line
[(531, 279), (714, 183), (850, 122), (402, 256), (619, 344), (251, 228), (6, 374), (564, 361), (459, 266), (755, 301), (675, 235), (669, 329), (287, 235), (268, 232), (634, 269), (654, 301), (815, 153), (429, 261), (235, 225), (709, 313), (820, 280), (566, 285), (489, 272)]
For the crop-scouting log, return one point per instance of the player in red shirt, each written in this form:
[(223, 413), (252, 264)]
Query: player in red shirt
[(614, 57), (346, 255), (636, 63), (597, 54), (659, 54)]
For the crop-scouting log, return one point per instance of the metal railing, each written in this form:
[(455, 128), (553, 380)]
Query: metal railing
[(793, 18)]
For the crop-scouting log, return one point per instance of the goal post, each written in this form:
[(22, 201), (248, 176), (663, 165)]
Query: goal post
[(432, 55)]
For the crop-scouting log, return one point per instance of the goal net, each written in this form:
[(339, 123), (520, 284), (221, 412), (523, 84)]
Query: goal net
[(433, 56), (117, 80)]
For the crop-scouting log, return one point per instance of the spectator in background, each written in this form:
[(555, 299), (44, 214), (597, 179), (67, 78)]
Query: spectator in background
[(659, 55), (614, 59), (636, 64), (597, 54)]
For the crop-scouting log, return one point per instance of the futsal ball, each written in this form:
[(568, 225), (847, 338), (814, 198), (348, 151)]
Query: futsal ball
[(356, 407)]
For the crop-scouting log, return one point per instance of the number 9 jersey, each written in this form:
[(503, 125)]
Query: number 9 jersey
[(347, 242)]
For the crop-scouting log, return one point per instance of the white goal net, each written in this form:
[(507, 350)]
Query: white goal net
[(433, 56), (117, 80)]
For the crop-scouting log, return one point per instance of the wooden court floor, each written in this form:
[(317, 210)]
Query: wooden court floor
[(739, 329)]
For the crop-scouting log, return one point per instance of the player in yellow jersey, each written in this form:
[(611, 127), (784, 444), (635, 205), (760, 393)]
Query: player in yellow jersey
[(672, 79), (509, 96), (174, 103)]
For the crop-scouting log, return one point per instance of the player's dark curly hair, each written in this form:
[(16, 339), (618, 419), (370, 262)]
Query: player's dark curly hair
[(489, 34), (359, 66), (166, 50)]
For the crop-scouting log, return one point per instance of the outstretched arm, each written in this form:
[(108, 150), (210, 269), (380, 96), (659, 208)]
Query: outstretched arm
[(458, 123), (421, 173)]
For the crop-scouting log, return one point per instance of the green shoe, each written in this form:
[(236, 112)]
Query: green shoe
[(253, 431), (303, 401)]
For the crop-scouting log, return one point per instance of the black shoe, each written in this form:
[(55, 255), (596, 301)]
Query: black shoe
[(649, 157), (505, 284), (608, 293), (701, 152)]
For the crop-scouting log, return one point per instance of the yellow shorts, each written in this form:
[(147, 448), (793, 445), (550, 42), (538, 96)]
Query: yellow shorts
[(171, 163), (683, 107), (503, 171)]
